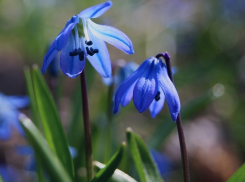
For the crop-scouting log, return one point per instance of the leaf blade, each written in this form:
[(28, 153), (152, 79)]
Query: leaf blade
[(51, 162), (52, 126), (104, 174), (144, 163)]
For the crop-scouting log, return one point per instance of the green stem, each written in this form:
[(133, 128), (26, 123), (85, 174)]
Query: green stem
[(87, 128)]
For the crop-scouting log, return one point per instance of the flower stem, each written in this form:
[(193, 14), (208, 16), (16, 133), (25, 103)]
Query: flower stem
[(183, 150), (87, 129)]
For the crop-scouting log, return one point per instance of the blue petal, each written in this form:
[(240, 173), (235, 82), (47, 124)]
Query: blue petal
[(9, 174), (19, 101), (73, 152), (128, 82), (95, 11), (70, 65), (112, 36), (169, 90), (100, 61), (59, 43), (127, 96), (49, 57), (107, 81), (145, 89), (24, 150), (156, 106), (5, 130)]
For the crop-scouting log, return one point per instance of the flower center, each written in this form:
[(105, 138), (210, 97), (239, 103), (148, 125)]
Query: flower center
[(157, 97), (82, 41)]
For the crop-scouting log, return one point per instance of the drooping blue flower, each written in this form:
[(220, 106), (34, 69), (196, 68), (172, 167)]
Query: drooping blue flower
[(83, 38), (149, 85), (9, 106)]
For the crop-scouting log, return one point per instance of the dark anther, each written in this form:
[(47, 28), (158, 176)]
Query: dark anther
[(88, 42), (89, 52), (157, 97), (94, 50), (71, 54), (76, 52), (81, 56)]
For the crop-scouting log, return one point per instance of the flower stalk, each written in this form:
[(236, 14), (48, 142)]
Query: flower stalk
[(87, 128), (184, 155)]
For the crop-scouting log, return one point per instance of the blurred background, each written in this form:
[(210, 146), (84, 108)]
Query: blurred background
[(205, 40)]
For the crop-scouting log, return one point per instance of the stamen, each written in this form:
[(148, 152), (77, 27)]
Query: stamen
[(94, 50), (88, 42), (76, 52), (71, 54), (89, 52), (157, 97), (81, 56)]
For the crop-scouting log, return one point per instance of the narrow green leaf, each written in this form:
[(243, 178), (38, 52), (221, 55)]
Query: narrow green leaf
[(164, 128), (118, 176), (30, 91), (239, 175), (1, 179), (34, 113), (145, 166), (52, 126), (104, 174), (51, 162)]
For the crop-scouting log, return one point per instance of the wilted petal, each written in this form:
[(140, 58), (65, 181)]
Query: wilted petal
[(18, 101), (70, 65), (128, 82), (128, 95), (95, 11), (169, 90), (145, 89), (112, 36), (156, 106), (100, 61)]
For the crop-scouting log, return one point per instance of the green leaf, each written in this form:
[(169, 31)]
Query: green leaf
[(118, 176), (30, 91), (51, 162), (143, 161), (239, 175), (104, 174), (52, 126), (1, 179), (164, 128), (34, 113)]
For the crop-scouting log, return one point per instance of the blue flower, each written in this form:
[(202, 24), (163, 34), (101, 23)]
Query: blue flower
[(31, 163), (125, 70), (9, 106), (9, 174), (83, 38), (162, 161), (149, 85)]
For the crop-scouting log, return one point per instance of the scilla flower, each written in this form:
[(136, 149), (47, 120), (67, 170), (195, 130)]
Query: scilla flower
[(9, 106), (124, 71), (149, 85), (83, 38)]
